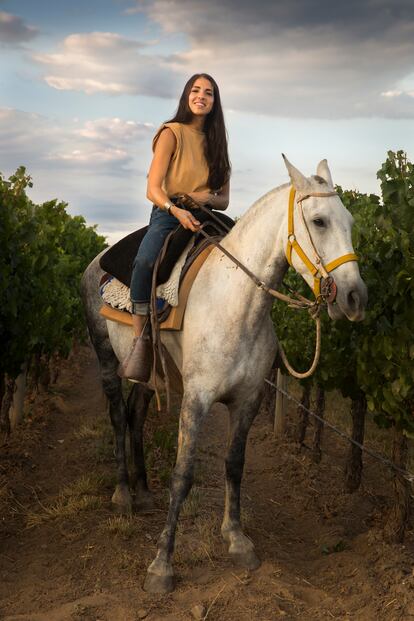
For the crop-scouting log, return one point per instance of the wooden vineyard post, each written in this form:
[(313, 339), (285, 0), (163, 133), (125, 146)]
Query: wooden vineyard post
[(400, 511), (303, 415), (280, 406), (9, 385), (16, 409), (354, 465)]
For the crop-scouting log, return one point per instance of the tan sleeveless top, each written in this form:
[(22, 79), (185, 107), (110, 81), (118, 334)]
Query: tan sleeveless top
[(188, 170)]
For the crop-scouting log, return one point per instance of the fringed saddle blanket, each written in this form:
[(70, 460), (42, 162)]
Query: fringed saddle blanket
[(117, 306), (117, 295)]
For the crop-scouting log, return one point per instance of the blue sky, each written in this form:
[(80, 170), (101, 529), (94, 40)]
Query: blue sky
[(83, 87)]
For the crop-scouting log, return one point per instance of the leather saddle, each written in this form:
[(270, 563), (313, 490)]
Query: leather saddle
[(118, 262), (118, 259)]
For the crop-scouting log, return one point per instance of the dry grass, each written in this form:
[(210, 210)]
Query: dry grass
[(132, 563), (199, 543), (123, 526), (81, 495), (87, 484), (63, 508), (91, 431), (191, 505), (208, 528)]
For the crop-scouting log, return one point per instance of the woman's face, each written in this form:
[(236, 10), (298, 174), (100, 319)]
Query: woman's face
[(201, 98)]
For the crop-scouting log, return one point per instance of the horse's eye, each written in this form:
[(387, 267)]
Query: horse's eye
[(319, 222)]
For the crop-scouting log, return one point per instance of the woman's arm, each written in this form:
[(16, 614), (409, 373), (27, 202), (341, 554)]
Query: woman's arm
[(219, 200), (165, 147)]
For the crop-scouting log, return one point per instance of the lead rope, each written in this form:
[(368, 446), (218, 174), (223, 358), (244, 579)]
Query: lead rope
[(297, 302)]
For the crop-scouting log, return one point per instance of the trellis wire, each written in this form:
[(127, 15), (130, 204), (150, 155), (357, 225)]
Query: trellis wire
[(404, 473)]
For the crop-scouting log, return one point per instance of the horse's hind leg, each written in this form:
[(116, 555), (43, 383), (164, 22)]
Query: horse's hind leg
[(137, 405), (241, 548), (111, 383), (112, 386), (160, 576)]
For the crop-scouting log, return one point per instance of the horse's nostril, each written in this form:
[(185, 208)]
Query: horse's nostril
[(353, 300)]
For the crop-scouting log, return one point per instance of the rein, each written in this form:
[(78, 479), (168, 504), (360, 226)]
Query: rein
[(324, 287)]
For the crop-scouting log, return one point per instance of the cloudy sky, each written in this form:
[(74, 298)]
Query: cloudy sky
[(84, 85)]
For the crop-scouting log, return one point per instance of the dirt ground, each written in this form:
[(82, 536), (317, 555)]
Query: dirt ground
[(65, 556)]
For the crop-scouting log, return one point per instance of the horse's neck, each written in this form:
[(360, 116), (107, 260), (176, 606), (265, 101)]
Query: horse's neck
[(258, 238)]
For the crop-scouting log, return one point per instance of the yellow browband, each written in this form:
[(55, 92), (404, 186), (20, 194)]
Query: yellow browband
[(293, 244)]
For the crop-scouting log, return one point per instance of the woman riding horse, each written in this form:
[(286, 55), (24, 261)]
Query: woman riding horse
[(190, 157)]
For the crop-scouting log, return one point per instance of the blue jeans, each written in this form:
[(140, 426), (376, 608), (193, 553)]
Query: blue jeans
[(161, 223)]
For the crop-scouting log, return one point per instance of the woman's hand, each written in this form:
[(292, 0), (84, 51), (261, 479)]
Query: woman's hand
[(185, 218)]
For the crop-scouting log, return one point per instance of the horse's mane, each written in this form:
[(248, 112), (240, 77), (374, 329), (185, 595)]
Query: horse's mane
[(251, 213)]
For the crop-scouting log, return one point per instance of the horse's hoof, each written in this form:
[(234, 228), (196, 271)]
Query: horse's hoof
[(122, 501), (247, 559), (156, 583), (144, 503)]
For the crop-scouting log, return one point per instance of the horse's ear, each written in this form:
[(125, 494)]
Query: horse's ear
[(299, 181), (324, 172)]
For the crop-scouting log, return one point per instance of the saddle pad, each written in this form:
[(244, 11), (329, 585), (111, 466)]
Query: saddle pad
[(174, 320), (168, 291), (118, 295), (119, 258)]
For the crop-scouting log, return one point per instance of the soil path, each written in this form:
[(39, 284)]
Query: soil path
[(65, 556)]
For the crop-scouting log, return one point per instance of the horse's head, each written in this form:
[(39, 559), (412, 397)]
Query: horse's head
[(319, 243)]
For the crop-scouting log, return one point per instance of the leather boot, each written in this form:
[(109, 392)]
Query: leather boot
[(138, 363)]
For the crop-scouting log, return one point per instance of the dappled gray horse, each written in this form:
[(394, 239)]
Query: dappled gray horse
[(226, 347)]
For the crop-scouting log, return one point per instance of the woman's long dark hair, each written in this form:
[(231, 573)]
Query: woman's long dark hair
[(216, 137)]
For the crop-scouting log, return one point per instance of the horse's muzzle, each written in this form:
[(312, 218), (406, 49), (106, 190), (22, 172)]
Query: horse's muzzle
[(350, 303)]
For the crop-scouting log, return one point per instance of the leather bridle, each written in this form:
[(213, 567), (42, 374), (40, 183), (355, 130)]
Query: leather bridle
[(323, 285)]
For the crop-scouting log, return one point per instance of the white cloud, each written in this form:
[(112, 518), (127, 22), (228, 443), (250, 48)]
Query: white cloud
[(398, 94), (93, 156), (97, 166), (97, 142), (305, 58), (104, 62), (391, 94), (19, 131), (115, 129), (87, 85), (302, 59)]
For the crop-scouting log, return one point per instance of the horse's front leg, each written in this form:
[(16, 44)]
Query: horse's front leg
[(241, 548), (160, 575), (138, 402)]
